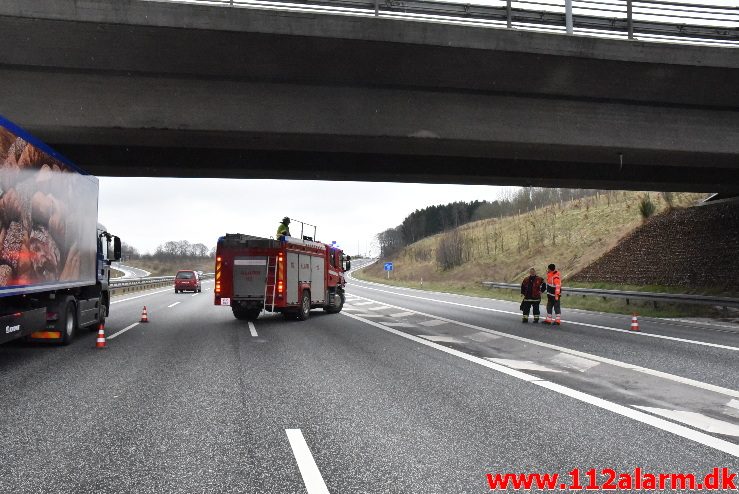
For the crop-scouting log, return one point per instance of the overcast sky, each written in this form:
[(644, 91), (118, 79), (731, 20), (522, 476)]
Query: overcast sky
[(146, 212)]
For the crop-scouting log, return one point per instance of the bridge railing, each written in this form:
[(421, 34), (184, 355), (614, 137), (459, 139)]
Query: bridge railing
[(670, 298), (672, 21)]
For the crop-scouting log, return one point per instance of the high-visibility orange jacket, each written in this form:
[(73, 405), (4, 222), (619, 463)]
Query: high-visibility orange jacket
[(554, 284)]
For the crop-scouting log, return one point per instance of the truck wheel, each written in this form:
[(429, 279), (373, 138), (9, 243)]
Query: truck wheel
[(239, 313), (101, 318), (67, 322), (304, 311), (335, 309)]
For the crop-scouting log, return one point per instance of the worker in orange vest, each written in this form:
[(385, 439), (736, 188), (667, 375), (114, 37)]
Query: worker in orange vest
[(554, 290)]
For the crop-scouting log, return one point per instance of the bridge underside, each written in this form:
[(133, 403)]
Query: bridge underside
[(148, 89), (307, 165)]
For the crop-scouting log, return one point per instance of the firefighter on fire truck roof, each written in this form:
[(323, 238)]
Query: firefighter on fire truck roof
[(283, 229)]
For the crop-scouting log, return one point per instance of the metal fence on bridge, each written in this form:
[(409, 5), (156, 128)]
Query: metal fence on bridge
[(668, 21)]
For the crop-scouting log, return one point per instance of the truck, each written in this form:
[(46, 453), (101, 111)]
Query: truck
[(54, 255), (289, 275)]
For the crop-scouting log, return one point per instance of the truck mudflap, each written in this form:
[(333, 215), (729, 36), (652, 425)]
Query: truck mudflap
[(22, 323)]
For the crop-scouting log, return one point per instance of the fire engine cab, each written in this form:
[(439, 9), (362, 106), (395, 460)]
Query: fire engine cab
[(288, 275)]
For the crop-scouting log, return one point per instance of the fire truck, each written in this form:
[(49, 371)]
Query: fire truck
[(291, 275)]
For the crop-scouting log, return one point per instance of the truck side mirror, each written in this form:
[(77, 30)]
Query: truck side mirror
[(348, 263), (116, 249)]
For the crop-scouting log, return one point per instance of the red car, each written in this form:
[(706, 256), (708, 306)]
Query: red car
[(187, 280)]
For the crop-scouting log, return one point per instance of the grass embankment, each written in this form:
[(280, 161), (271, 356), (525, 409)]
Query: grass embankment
[(571, 235), (170, 267)]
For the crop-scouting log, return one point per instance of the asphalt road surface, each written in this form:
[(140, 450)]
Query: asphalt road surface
[(403, 392)]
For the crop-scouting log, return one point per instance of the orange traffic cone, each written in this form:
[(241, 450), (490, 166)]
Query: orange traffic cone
[(101, 337), (144, 315), (634, 323)]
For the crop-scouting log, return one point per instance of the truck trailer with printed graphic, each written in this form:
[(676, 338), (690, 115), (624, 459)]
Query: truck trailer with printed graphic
[(54, 255)]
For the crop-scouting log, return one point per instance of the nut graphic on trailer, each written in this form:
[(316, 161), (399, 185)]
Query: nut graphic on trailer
[(40, 237)]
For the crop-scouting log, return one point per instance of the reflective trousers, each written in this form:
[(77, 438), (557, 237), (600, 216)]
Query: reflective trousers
[(553, 304)]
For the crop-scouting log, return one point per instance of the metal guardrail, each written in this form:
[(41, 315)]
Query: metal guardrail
[(131, 284), (647, 20), (671, 298), (140, 281)]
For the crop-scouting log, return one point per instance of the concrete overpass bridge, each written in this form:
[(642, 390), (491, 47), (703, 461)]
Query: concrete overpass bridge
[(133, 88)]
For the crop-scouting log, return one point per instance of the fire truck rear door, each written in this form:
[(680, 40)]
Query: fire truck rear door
[(249, 277)]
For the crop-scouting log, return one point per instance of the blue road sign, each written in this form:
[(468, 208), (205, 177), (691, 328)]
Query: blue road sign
[(388, 266)]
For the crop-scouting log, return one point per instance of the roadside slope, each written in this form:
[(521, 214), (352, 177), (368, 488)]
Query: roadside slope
[(692, 248), (572, 235)]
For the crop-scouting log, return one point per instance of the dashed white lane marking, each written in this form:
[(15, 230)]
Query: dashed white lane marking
[(312, 478), (441, 338), (172, 305), (573, 362), (573, 323), (482, 337), (139, 296), (194, 294), (733, 404), (123, 330), (365, 303), (604, 360), (523, 364), (638, 415), (695, 419), (252, 329), (384, 307), (400, 324), (402, 314), (432, 323), (376, 316)]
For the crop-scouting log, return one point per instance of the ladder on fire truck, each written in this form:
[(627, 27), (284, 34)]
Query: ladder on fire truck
[(270, 285)]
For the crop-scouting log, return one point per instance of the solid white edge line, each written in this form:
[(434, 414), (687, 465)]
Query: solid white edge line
[(252, 329), (312, 478), (574, 323), (139, 296), (644, 370), (122, 331), (665, 425), (172, 305)]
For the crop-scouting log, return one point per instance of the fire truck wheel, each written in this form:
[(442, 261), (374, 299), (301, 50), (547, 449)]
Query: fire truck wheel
[(335, 309), (304, 311), (239, 313)]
